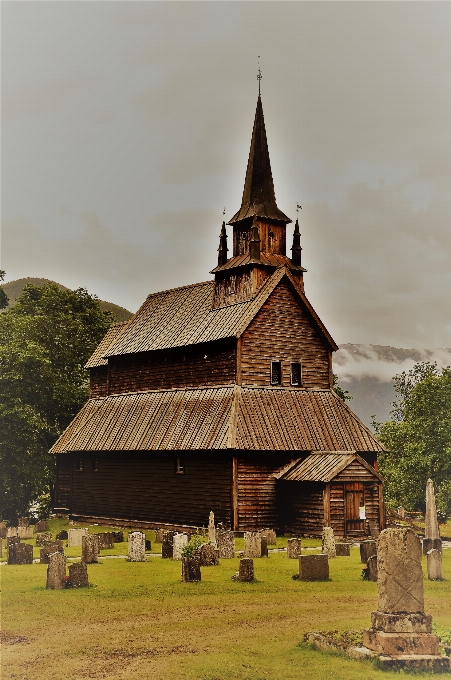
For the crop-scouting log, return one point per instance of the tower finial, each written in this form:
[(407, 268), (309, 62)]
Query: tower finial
[(222, 250), (259, 75)]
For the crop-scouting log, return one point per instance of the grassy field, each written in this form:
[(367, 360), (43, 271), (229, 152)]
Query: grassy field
[(139, 620)]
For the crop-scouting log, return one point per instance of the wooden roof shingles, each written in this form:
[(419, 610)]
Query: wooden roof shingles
[(243, 418), (323, 467), (112, 334)]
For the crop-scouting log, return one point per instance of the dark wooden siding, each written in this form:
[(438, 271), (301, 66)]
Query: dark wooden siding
[(337, 509), (144, 486), (63, 481), (98, 382), (283, 330), (256, 489), (301, 507), (202, 365)]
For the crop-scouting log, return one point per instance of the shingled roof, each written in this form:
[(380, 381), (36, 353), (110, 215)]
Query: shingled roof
[(323, 467), (184, 316), (111, 336), (230, 417)]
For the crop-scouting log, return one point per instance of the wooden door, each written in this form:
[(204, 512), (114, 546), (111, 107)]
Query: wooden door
[(354, 501)]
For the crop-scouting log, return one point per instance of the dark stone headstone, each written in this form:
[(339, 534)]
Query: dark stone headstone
[(431, 544), (20, 553), (314, 567), (42, 525), (118, 536), (106, 540), (367, 550), (264, 540), (11, 540), (56, 572), (78, 575), (90, 548), (48, 550), (190, 569), (2, 529), (62, 535), (148, 545), (208, 555), (43, 538), (167, 546), (343, 549), (246, 571), (372, 568)]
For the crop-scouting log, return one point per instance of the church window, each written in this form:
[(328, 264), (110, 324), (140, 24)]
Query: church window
[(276, 372), (95, 464), (271, 241), (79, 465), (179, 467), (296, 373)]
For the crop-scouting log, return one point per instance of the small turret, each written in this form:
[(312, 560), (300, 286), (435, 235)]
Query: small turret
[(296, 250), (222, 250)]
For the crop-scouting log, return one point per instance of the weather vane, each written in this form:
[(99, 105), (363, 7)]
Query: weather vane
[(259, 75), (298, 207), (223, 212)]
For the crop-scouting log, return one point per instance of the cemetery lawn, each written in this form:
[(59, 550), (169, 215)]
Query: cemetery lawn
[(140, 620)]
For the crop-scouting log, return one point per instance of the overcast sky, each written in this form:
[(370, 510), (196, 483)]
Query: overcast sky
[(126, 130)]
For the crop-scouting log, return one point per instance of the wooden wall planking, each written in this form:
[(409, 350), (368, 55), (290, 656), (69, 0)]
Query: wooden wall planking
[(301, 507), (98, 382)]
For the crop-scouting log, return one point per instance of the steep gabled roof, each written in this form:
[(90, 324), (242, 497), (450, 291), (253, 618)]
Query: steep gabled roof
[(184, 316), (323, 467), (229, 417)]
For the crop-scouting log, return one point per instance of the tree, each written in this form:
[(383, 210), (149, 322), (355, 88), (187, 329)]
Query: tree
[(4, 299), (343, 394), (418, 439), (45, 340)]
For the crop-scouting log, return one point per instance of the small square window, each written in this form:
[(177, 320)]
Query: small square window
[(179, 467), (276, 372), (296, 373), (95, 464), (79, 465)]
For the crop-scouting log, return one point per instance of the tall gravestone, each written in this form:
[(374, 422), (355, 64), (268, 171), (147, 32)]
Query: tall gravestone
[(434, 565), (167, 545), (293, 548), (264, 546), (328, 542), (75, 536), (367, 550), (401, 632), (191, 569), (137, 546), (90, 548), (56, 572), (225, 540), (47, 550), (432, 540), (179, 542), (252, 544), (211, 528)]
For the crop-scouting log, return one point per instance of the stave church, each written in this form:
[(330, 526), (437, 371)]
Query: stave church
[(219, 396)]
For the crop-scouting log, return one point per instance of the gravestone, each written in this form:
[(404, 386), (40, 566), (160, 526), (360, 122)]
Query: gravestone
[(367, 550), (246, 571), (314, 567), (11, 531), (432, 540), (20, 553), (252, 544), (90, 548), (43, 538), (25, 532), (47, 550), (56, 572), (2, 529), (74, 537), (159, 535), (78, 575), (191, 569), (167, 545), (106, 540), (208, 555), (62, 535), (179, 542), (343, 549), (328, 542), (293, 548), (264, 546), (24, 522), (42, 525), (11, 540), (118, 536), (225, 541), (148, 545), (401, 632), (136, 546), (270, 536), (211, 528), (370, 573), (434, 565)]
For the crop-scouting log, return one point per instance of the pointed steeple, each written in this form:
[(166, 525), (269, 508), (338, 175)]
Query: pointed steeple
[(296, 250), (259, 199), (222, 250)]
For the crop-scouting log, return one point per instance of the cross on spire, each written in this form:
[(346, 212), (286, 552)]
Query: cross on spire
[(259, 75)]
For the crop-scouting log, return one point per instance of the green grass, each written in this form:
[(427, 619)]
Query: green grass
[(139, 620)]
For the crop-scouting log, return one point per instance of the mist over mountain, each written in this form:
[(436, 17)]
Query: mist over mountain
[(367, 372)]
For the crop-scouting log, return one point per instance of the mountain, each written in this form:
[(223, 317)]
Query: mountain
[(14, 288), (366, 371)]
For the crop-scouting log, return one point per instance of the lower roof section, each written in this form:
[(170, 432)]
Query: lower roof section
[(230, 417)]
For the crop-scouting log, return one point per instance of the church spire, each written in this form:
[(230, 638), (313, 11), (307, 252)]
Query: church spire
[(222, 250), (296, 250), (259, 199)]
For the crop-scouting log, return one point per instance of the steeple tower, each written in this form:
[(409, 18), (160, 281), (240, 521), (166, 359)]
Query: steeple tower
[(259, 229)]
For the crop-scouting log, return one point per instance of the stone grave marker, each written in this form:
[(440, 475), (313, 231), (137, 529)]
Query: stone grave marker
[(25, 532), (270, 536), (211, 528), (328, 542), (106, 539), (246, 571), (293, 548), (44, 538), (314, 567), (367, 550), (47, 550), (2, 529), (434, 565), (179, 542), (225, 541), (167, 545), (343, 549), (90, 548), (252, 544), (78, 575), (159, 535), (20, 553), (136, 546), (370, 573), (208, 555), (191, 569), (62, 535), (264, 546), (148, 545), (42, 525), (24, 522), (74, 537), (118, 536), (56, 572), (11, 540), (11, 531), (432, 540), (401, 632)]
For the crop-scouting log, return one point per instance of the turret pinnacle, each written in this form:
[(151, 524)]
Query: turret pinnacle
[(259, 199), (222, 250), (296, 250)]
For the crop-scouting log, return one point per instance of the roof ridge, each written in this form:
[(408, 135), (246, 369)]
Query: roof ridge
[(188, 285)]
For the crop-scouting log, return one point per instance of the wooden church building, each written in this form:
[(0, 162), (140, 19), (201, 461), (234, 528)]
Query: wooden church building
[(218, 396)]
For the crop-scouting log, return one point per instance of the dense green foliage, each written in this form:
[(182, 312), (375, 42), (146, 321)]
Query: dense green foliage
[(4, 299), (418, 439), (45, 340), (339, 391)]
